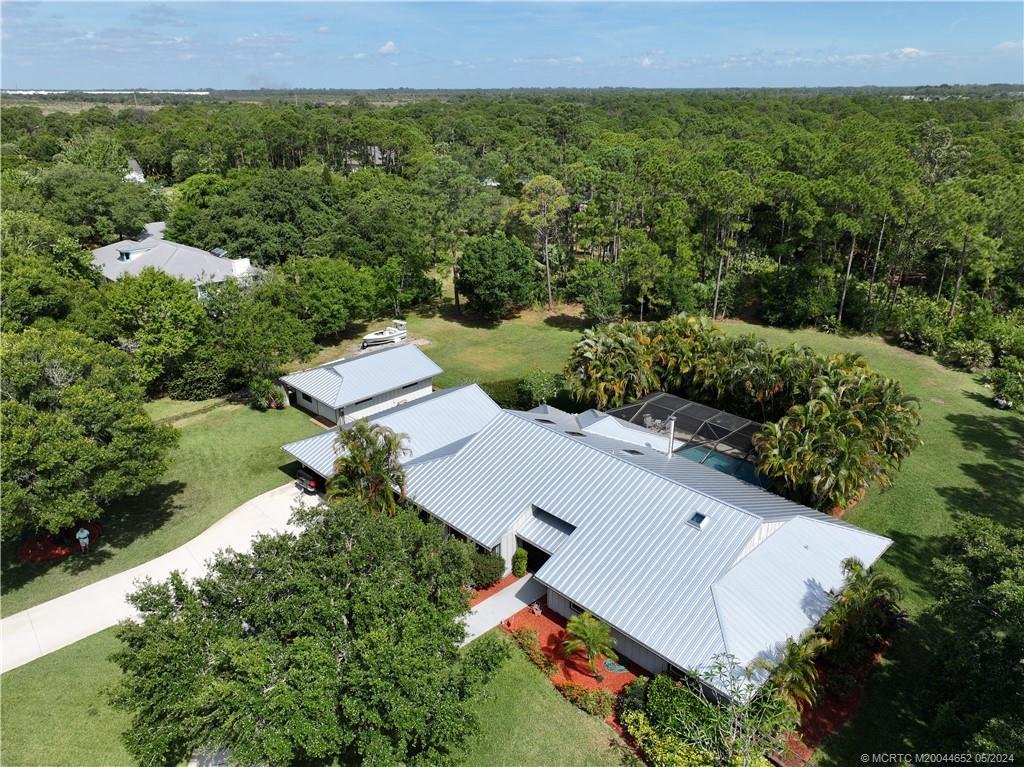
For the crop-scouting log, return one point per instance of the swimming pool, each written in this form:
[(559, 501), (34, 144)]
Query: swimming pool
[(726, 464)]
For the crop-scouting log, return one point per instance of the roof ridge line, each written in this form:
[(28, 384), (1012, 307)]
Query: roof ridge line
[(644, 469)]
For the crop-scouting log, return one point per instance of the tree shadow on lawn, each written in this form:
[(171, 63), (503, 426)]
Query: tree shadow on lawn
[(912, 555), (999, 480), (897, 709), (123, 523), (567, 322)]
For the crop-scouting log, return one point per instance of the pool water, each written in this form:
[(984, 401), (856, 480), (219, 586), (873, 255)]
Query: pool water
[(726, 464)]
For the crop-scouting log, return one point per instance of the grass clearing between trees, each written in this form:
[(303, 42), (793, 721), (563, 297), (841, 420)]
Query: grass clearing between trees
[(226, 454)]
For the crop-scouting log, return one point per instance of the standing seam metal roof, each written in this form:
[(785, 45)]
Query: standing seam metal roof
[(634, 560), (347, 381)]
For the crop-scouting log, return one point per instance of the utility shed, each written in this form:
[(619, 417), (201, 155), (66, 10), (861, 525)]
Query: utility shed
[(346, 390)]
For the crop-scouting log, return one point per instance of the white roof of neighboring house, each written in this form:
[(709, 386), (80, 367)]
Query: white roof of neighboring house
[(346, 381), (617, 516), (152, 251)]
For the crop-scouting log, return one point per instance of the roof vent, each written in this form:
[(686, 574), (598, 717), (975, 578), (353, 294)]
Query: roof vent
[(576, 434), (698, 520), (631, 451), (544, 420)]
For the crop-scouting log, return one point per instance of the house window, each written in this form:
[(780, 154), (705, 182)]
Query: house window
[(305, 397), (575, 607), (675, 672)]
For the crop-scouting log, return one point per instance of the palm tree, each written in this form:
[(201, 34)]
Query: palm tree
[(368, 465), (866, 597), (795, 674), (592, 635)]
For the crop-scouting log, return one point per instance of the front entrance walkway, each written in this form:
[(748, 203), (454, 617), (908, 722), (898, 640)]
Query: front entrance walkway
[(52, 625), (498, 607)]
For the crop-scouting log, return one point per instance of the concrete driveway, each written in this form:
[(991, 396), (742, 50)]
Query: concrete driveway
[(51, 625)]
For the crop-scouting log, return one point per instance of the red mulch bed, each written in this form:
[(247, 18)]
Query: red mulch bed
[(482, 594), (824, 720), (551, 633)]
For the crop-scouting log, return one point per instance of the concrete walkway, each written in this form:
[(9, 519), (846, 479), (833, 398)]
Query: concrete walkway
[(51, 625), (502, 605)]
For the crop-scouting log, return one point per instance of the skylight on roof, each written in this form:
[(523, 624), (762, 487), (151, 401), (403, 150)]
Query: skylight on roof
[(698, 520)]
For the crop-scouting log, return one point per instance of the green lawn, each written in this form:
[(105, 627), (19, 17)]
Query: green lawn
[(524, 722), (972, 460), (470, 351), (227, 453), (55, 713)]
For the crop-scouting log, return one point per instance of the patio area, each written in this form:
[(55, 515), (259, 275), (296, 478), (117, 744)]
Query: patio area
[(551, 633)]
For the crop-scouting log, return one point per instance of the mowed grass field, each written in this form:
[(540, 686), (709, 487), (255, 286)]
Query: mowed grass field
[(475, 352), (226, 454)]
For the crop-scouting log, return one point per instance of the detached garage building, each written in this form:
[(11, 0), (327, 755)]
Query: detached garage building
[(349, 389)]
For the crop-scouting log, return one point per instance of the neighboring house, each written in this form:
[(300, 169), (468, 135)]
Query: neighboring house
[(682, 561), (135, 174), (349, 389), (151, 250)]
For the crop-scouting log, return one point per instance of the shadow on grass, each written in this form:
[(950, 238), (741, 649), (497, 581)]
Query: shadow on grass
[(998, 480), (897, 707), (123, 523), (567, 322)]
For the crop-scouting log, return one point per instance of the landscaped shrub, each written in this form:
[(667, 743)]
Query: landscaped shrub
[(504, 392), (968, 355), (920, 323), (668, 702), (203, 377), (662, 750), (539, 386), (634, 696), (527, 640), (597, 702), (267, 395), (487, 569), (1007, 382), (519, 562)]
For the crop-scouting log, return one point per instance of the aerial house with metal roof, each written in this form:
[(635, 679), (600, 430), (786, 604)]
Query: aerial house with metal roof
[(683, 561), (349, 389)]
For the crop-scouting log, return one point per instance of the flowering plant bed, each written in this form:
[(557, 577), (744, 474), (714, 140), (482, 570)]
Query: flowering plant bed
[(479, 595)]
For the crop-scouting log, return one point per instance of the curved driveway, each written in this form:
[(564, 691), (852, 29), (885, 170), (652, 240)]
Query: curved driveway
[(51, 625)]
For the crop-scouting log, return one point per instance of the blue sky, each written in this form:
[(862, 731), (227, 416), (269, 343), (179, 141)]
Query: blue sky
[(495, 45)]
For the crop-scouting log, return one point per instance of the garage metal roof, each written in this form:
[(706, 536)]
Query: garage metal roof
[(347, 381), (431, 423)]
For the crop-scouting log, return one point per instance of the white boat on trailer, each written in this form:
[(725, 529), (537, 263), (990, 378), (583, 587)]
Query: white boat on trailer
[(397, 331)]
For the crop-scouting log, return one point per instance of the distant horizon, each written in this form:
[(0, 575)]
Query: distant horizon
[(498, 45), (201, 90)]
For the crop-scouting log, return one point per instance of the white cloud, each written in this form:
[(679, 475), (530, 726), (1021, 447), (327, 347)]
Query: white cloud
[(359, 55), (1010, 45), (646, 62), (553, 61), (323, 28), (388, 48)]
